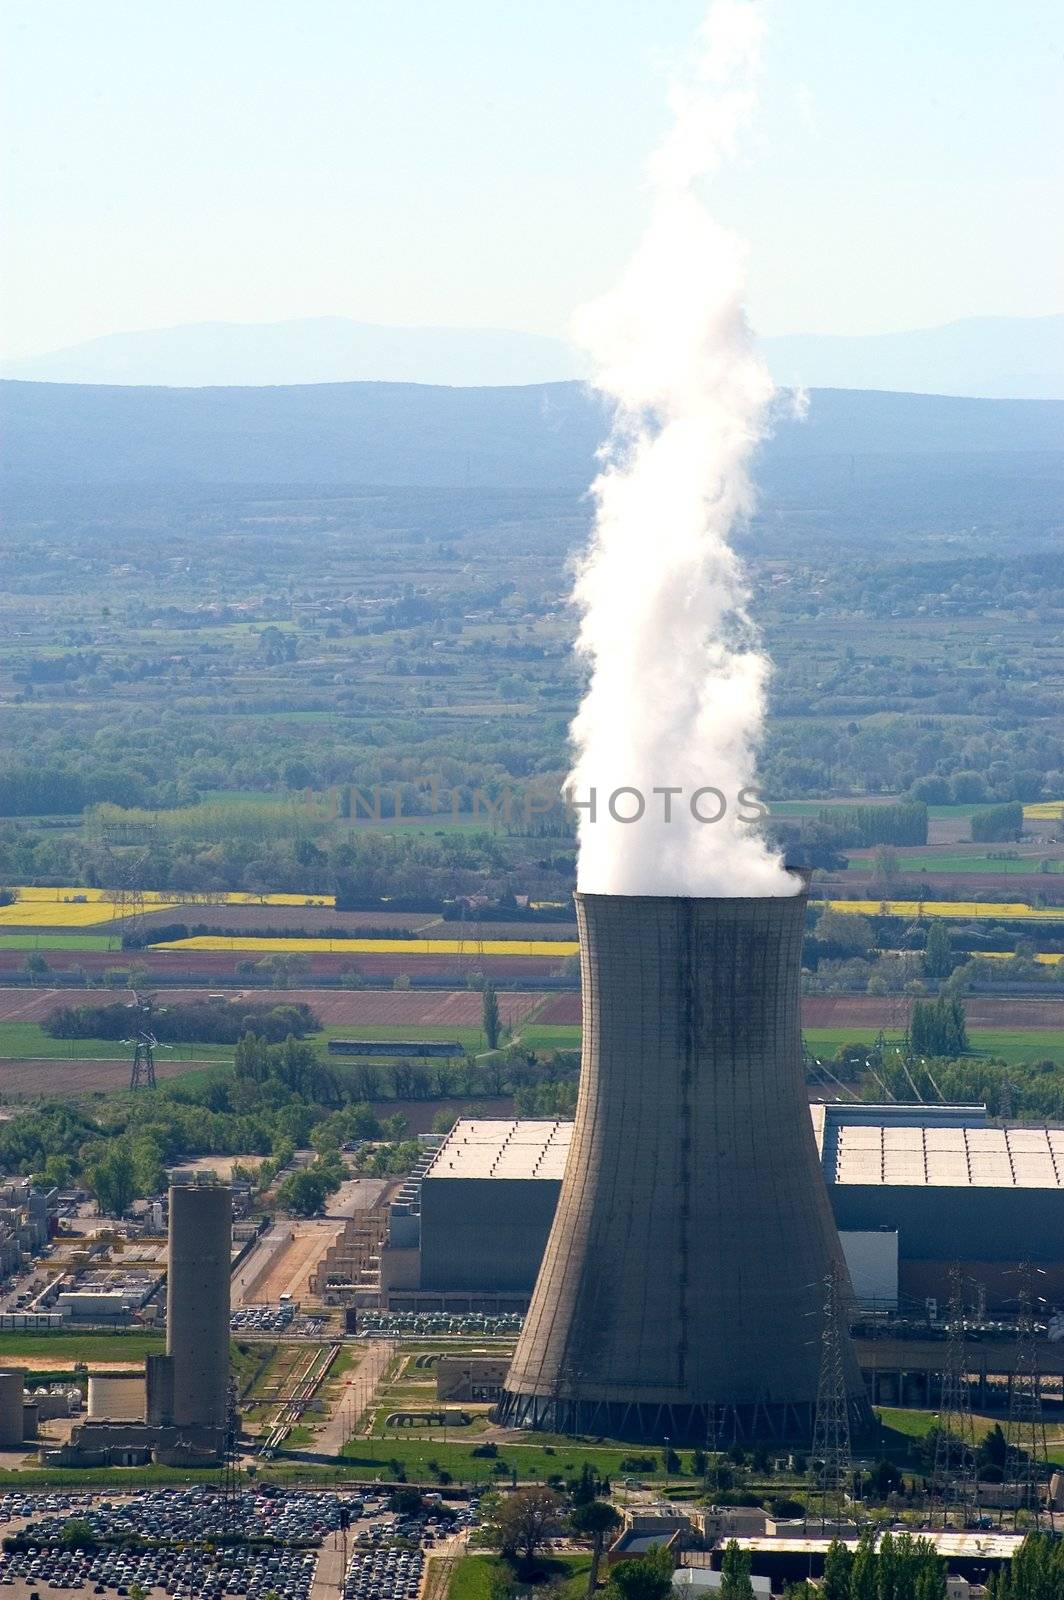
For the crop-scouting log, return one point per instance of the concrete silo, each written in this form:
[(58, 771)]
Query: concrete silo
[(197, 1306), (683, 1282)]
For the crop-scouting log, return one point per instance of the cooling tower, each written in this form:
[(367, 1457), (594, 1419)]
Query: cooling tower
[(682, 1288), (197, 1305)]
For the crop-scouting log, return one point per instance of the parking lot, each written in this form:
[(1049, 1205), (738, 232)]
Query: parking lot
[(261, 1544), (436, 1324)]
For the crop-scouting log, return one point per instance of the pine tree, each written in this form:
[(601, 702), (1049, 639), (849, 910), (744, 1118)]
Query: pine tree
[(863, 1576), (938, 960), (735, 1573), (838, 1570)]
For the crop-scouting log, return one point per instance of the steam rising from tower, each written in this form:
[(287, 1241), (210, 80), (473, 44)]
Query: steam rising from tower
[(676, 693)]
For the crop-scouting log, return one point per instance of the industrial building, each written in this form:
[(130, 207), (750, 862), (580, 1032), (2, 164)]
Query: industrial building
[(693, 1217), (177, 1413), (914, 1189), (954, 1189)]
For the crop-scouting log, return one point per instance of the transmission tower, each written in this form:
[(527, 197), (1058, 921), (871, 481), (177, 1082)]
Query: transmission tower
[(1025, 1434), (832, 1457), (954, 1477), (231, 1461), (144, 1042)]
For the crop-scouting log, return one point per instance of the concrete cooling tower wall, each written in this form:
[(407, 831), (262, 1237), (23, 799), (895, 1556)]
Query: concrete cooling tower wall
[(682, 1288)]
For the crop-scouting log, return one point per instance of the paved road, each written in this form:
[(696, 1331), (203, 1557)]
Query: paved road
[(355, 1399), (329, 1573)]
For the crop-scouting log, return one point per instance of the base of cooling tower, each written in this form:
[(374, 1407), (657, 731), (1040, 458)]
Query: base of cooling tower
[(648, 1422)]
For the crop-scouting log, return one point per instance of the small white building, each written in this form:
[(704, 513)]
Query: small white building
[(694, 1581)]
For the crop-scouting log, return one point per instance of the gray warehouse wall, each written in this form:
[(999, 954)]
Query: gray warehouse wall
[(485, 1234), (958, 1224)]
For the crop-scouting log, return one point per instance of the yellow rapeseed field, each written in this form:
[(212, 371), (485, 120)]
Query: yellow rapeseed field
[(385, 947), (963, 910), (48, 914), (1047, 957), (1045, 811), (88, 908)]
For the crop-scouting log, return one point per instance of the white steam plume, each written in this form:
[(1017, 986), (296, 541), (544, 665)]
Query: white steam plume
[(676, 694)]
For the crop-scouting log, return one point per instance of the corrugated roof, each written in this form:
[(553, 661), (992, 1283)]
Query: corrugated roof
[(903, 1153), (949, 1158), (503, 1148)]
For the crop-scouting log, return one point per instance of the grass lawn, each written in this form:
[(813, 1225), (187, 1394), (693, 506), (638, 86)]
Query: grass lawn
[(89, 1347), (471, 1578), (550, 1036), (540, 1460), (1013, 1045), (903, 1425), (110, 1477)]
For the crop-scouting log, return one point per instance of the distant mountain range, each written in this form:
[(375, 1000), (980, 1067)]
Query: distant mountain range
[(536, 436), (987, 357), (310, 350)]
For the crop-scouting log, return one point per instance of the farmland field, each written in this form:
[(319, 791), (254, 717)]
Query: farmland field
[(22, 1038), (340, 1008), (1012, 1045), (995, 1012), (59, 941), (959, 910), (551, 949)]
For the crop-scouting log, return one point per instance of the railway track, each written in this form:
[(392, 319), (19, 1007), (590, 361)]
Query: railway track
[(309, 1379)]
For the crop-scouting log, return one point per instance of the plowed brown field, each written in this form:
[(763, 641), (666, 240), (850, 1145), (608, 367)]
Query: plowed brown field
[(874, 1011), (28, 1079), (401, 1008)]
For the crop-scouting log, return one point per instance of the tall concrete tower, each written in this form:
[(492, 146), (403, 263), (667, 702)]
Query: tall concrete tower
[(197, 1305), (683, 1282)]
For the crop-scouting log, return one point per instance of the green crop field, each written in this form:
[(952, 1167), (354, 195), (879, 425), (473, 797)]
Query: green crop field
[(21, 1040), (550, 1036), (1022, 866), (1012, 1045), (59, 941)]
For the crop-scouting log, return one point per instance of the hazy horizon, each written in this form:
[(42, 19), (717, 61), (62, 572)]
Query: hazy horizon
[(482, 169)]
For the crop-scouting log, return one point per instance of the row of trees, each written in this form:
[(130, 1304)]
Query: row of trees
[(861, 826), (182, 1021), (901, 1568)]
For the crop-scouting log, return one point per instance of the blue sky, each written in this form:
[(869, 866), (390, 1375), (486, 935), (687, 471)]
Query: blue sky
[(477, 162)]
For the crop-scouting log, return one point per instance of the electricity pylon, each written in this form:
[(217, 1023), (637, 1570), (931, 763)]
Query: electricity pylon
[(1025, 1434), (955, 1473), (832, 1455)]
